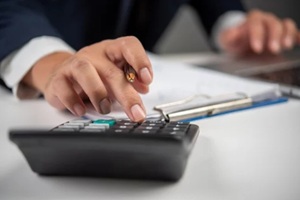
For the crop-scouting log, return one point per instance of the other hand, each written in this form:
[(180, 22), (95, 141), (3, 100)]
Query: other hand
[(261, 32)]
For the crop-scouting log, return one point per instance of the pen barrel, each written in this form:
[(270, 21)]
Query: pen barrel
[(209, 110)]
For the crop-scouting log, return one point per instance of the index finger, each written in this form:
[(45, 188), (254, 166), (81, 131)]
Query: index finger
[(256, 31)]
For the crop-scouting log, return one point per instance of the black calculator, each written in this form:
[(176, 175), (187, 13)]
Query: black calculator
[(112, 148)]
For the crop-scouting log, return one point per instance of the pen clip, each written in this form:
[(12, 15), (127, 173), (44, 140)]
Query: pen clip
[(175, 106)]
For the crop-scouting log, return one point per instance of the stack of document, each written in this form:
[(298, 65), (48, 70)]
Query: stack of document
[(182, 92)]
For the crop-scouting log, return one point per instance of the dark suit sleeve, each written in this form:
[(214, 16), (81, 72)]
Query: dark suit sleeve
[(210, 10), (21, 21)]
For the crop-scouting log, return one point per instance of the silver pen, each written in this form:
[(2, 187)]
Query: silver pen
[(192, 107)]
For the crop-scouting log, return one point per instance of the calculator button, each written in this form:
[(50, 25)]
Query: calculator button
[(147, 128), (64, 130), (123, 127), (95, 128), (92, 130), (80, 124), (126, 123), (154, 122), (66, 126), (170, 129), (85, 121), (179, 123), (173, 133), (110, 122), (144, 131), (106, 126), (120, 130), (152, 125)]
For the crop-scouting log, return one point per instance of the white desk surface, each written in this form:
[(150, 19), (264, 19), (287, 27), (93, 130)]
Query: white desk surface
[(253, 154)]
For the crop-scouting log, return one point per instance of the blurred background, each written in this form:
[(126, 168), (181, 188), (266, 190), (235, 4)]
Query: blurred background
[(185, 33)]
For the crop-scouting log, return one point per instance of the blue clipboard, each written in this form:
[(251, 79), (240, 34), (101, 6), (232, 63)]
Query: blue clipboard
[(254, 105)]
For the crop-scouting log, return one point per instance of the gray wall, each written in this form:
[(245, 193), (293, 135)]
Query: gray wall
[(185, 35)]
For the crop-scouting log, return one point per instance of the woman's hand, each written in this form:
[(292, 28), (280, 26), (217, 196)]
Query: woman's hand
[(95, 72), (261, 32)]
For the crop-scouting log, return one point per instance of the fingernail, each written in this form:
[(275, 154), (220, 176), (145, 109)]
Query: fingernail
[(275, 47), (145, 75), (79, 110), (288, 42), (257, 46), (137, 113), (105, 106)]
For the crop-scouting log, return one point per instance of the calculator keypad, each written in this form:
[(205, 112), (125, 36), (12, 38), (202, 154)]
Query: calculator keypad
[(124, 126)]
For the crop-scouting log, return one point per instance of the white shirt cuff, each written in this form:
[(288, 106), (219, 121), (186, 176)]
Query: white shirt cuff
[(14, 67), (225, 21)]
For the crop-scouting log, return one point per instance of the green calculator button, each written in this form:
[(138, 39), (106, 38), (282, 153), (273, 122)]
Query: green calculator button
[(110, 122)]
